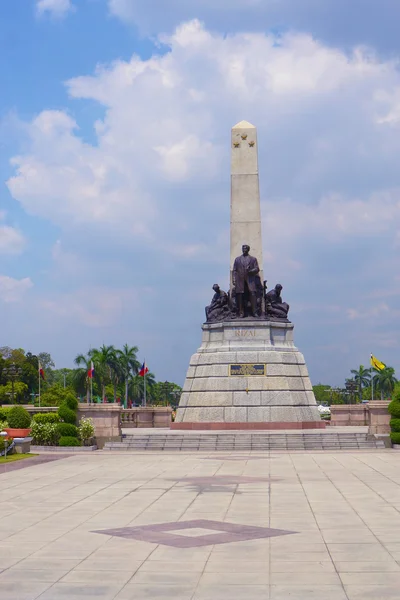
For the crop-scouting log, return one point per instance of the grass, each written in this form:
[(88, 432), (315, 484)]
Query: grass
[(14, 457)]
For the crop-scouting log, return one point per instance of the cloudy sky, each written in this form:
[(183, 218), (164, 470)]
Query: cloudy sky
[(114, 165)]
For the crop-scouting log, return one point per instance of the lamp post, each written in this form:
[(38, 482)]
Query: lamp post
[(13, 373), (351, 387), (176, 394)]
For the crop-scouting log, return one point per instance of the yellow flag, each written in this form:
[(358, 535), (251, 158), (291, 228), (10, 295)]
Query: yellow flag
[(377, 363)]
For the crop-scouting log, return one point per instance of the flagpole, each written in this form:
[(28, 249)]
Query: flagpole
[(372, 380), (39, 383), (144, 381)]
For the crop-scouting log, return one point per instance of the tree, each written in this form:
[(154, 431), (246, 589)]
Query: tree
[(46, 361), (322, 393), (18, 388), (129, 365), (81, 375), (384, 381), (137, 386), (104, 361), (362, 377)]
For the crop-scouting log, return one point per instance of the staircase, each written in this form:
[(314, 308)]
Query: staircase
[(206, 442)]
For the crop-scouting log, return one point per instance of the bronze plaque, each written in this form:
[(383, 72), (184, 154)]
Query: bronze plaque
[(247, 370)]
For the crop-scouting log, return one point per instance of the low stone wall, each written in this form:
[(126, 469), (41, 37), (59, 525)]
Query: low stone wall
[(106, 419), (349, 414), (379, 417), (152, 416)]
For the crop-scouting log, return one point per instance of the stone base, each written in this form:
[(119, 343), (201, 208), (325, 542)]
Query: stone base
[(283, 395), (250, 426)]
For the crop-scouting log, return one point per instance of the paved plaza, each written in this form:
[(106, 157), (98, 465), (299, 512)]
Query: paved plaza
[(227, 526)]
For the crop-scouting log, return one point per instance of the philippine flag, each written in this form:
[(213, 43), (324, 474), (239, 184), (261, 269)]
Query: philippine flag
[(41, 372), (91, 370), (143, 370)]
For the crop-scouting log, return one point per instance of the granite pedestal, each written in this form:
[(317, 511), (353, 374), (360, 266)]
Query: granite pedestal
[(281, 397)]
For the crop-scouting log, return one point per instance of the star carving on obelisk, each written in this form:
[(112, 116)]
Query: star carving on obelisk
[(244, 136), (251, 144), (236, 144)]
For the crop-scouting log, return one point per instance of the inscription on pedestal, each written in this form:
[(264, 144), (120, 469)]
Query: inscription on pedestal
[(245, 333), (247, 370)]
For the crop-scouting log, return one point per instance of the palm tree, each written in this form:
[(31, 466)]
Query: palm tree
[(362, 377), (129, 365), (137, 385), (81, 376), (384, 381), (104, 362)]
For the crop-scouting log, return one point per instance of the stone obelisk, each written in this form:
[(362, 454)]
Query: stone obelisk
[(247, 373), (245, 193)]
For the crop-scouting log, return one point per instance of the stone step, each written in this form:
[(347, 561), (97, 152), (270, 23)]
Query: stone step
[(263, 441)]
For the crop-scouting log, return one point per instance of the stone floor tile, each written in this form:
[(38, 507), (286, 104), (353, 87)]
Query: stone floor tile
[(169, 578), (77, 591), (50, 564), (362, 552), (372, 592), (113, 563), (234, 578), (279, 566), (153, 592), (367, 567), (84, 577), (384, 578), (30, 576), (232, 592), (301, 578), (310, 592), (161, 566), (23, 590)]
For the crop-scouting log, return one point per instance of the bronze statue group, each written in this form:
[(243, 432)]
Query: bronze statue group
[(248, 296)]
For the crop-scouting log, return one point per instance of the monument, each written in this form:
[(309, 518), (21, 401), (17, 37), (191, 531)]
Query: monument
[(247, 373)]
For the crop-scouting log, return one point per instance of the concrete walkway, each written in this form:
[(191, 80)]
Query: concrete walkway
[(245, 526)]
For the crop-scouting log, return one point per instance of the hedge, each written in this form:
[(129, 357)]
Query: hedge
[(67, 415), (67, 429), (46, 418), (68, 440), (18, 418)]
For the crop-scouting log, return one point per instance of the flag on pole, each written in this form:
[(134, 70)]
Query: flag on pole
[(91, 370), (41, 372), (377, 363), (143, 370)]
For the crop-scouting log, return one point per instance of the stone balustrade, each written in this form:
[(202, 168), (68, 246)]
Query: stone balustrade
[(140, 417), (349, 414)]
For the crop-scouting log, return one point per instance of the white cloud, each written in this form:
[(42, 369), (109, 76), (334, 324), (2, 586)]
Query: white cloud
[(55, 8), (167, 122), (12, 241), (93, 306), (13, 290)]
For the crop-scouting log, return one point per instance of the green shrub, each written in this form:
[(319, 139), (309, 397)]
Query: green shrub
[(86, 430), (45, 434), (394, 408), (395, 425), (66, 414), (395, 437), (46, 418), (67, 429), (18, 418), (2, 444), (67, 440), (71, 402), (4, 413)]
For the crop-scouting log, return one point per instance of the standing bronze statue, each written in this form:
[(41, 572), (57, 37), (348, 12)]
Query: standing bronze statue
[(244, 280)]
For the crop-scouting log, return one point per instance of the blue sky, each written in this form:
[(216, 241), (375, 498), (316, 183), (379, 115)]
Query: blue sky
[(115, 120)]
